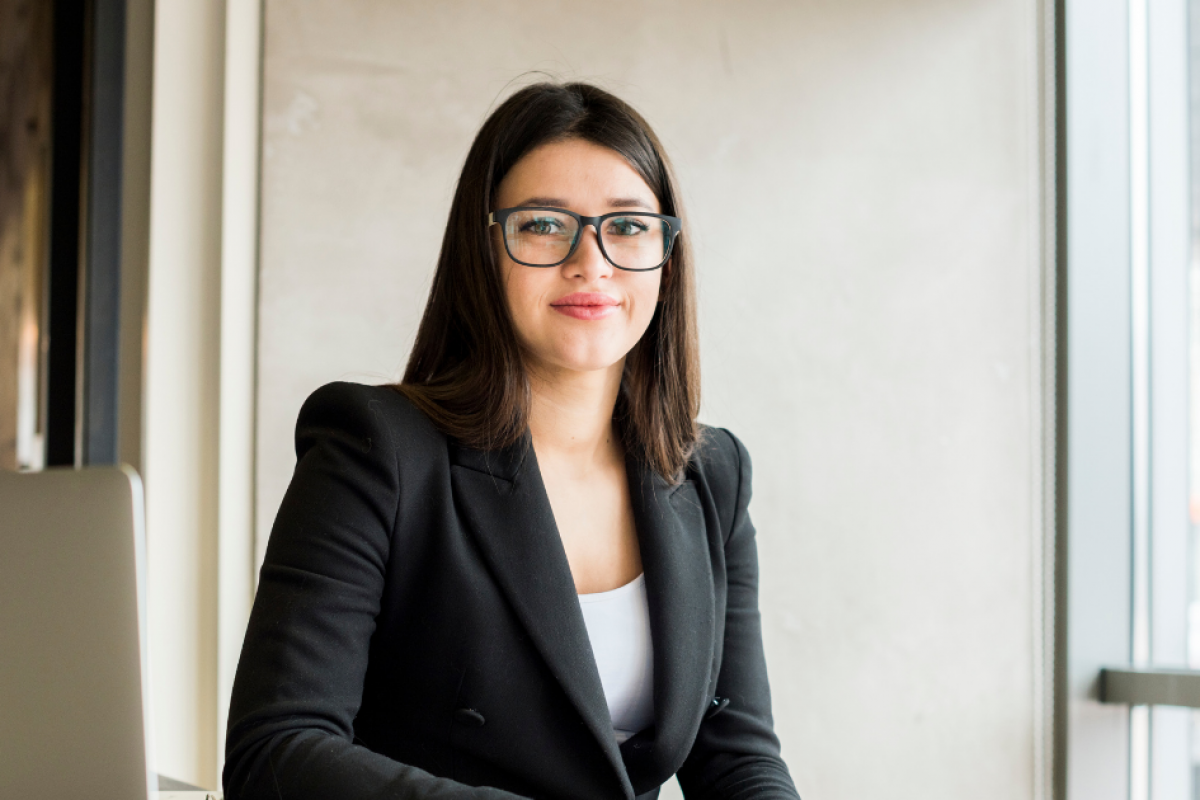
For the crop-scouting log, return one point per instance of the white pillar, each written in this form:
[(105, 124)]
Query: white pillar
[(239, 297), (199, 363)]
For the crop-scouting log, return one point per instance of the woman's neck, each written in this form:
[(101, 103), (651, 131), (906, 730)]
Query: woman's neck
[(571, 417)]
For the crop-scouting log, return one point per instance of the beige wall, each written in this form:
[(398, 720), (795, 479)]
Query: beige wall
[(863, 185)]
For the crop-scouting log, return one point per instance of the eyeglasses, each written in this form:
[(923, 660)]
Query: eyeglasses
[(546, 237)]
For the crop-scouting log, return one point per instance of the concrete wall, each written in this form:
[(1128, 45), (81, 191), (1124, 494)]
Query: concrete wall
[(863, 187)]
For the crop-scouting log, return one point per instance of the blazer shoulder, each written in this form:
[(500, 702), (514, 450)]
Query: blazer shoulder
[(721, 462), (368, 412), (717, 450)]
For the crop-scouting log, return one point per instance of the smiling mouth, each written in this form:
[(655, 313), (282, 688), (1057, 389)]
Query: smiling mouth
[(586, 300), (581, 306)]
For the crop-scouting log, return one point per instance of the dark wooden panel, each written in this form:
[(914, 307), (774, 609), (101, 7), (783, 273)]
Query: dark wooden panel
[(25, 98)]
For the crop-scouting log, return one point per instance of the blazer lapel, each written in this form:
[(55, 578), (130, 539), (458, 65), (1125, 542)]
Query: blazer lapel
[(501, 495), (679, 588), (503, 500)]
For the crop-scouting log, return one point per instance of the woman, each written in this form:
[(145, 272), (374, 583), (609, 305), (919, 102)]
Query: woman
[(526, 570)]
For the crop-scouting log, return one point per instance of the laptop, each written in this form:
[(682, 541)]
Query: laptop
[(74, 718)]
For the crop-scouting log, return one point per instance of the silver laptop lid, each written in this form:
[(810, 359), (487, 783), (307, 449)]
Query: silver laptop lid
[(73, 719)]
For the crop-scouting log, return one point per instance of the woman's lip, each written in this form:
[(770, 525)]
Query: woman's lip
[(586, 299), (586, 312), (586, 305)]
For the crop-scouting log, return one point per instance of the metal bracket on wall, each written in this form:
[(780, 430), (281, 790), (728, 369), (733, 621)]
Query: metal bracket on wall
[(1150, 687)]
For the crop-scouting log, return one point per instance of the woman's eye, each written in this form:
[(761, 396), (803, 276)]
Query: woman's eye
[(542, 226), (627, 226)]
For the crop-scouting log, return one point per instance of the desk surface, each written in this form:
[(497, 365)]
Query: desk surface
[(171, 789)]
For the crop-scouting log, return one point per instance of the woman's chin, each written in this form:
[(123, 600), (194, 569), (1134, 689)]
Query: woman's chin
[(584, 363)]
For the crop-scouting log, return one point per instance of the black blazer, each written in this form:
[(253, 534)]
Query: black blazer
[(416, 632)]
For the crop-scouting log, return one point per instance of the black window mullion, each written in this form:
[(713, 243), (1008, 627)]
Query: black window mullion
[(101, 317), (62, 312)]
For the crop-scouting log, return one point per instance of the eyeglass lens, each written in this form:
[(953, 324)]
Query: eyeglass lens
[(543, 238)]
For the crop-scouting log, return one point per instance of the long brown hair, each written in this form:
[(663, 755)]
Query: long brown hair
[(466, 369)]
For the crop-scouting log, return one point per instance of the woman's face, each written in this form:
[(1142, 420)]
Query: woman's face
[(555, 311)]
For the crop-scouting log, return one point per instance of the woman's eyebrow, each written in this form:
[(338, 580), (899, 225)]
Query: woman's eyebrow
[(554, 202), (613, 202), (629, 202)]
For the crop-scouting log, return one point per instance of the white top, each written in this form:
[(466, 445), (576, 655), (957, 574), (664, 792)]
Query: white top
[(618, 623)]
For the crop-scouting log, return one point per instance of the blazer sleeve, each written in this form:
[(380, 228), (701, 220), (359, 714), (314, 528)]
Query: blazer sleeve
[(736, 753), (299, 681)]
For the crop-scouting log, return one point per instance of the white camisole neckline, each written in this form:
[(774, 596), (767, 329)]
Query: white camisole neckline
[(618, 624)]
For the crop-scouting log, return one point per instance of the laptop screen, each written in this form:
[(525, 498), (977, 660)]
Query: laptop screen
[(74, 719)]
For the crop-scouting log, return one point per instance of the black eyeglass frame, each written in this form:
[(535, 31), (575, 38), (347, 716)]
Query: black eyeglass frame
[(500, 217)]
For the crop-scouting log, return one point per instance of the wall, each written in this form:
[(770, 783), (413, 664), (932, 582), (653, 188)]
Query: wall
[(864, 189)]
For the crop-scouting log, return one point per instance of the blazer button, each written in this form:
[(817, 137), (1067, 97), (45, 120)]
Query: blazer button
[(716, 706), (469, 717)]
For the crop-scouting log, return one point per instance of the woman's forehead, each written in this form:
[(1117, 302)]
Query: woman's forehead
[(575, 173)]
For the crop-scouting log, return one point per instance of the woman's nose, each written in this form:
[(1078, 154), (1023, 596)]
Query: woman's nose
[(588, 260)]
